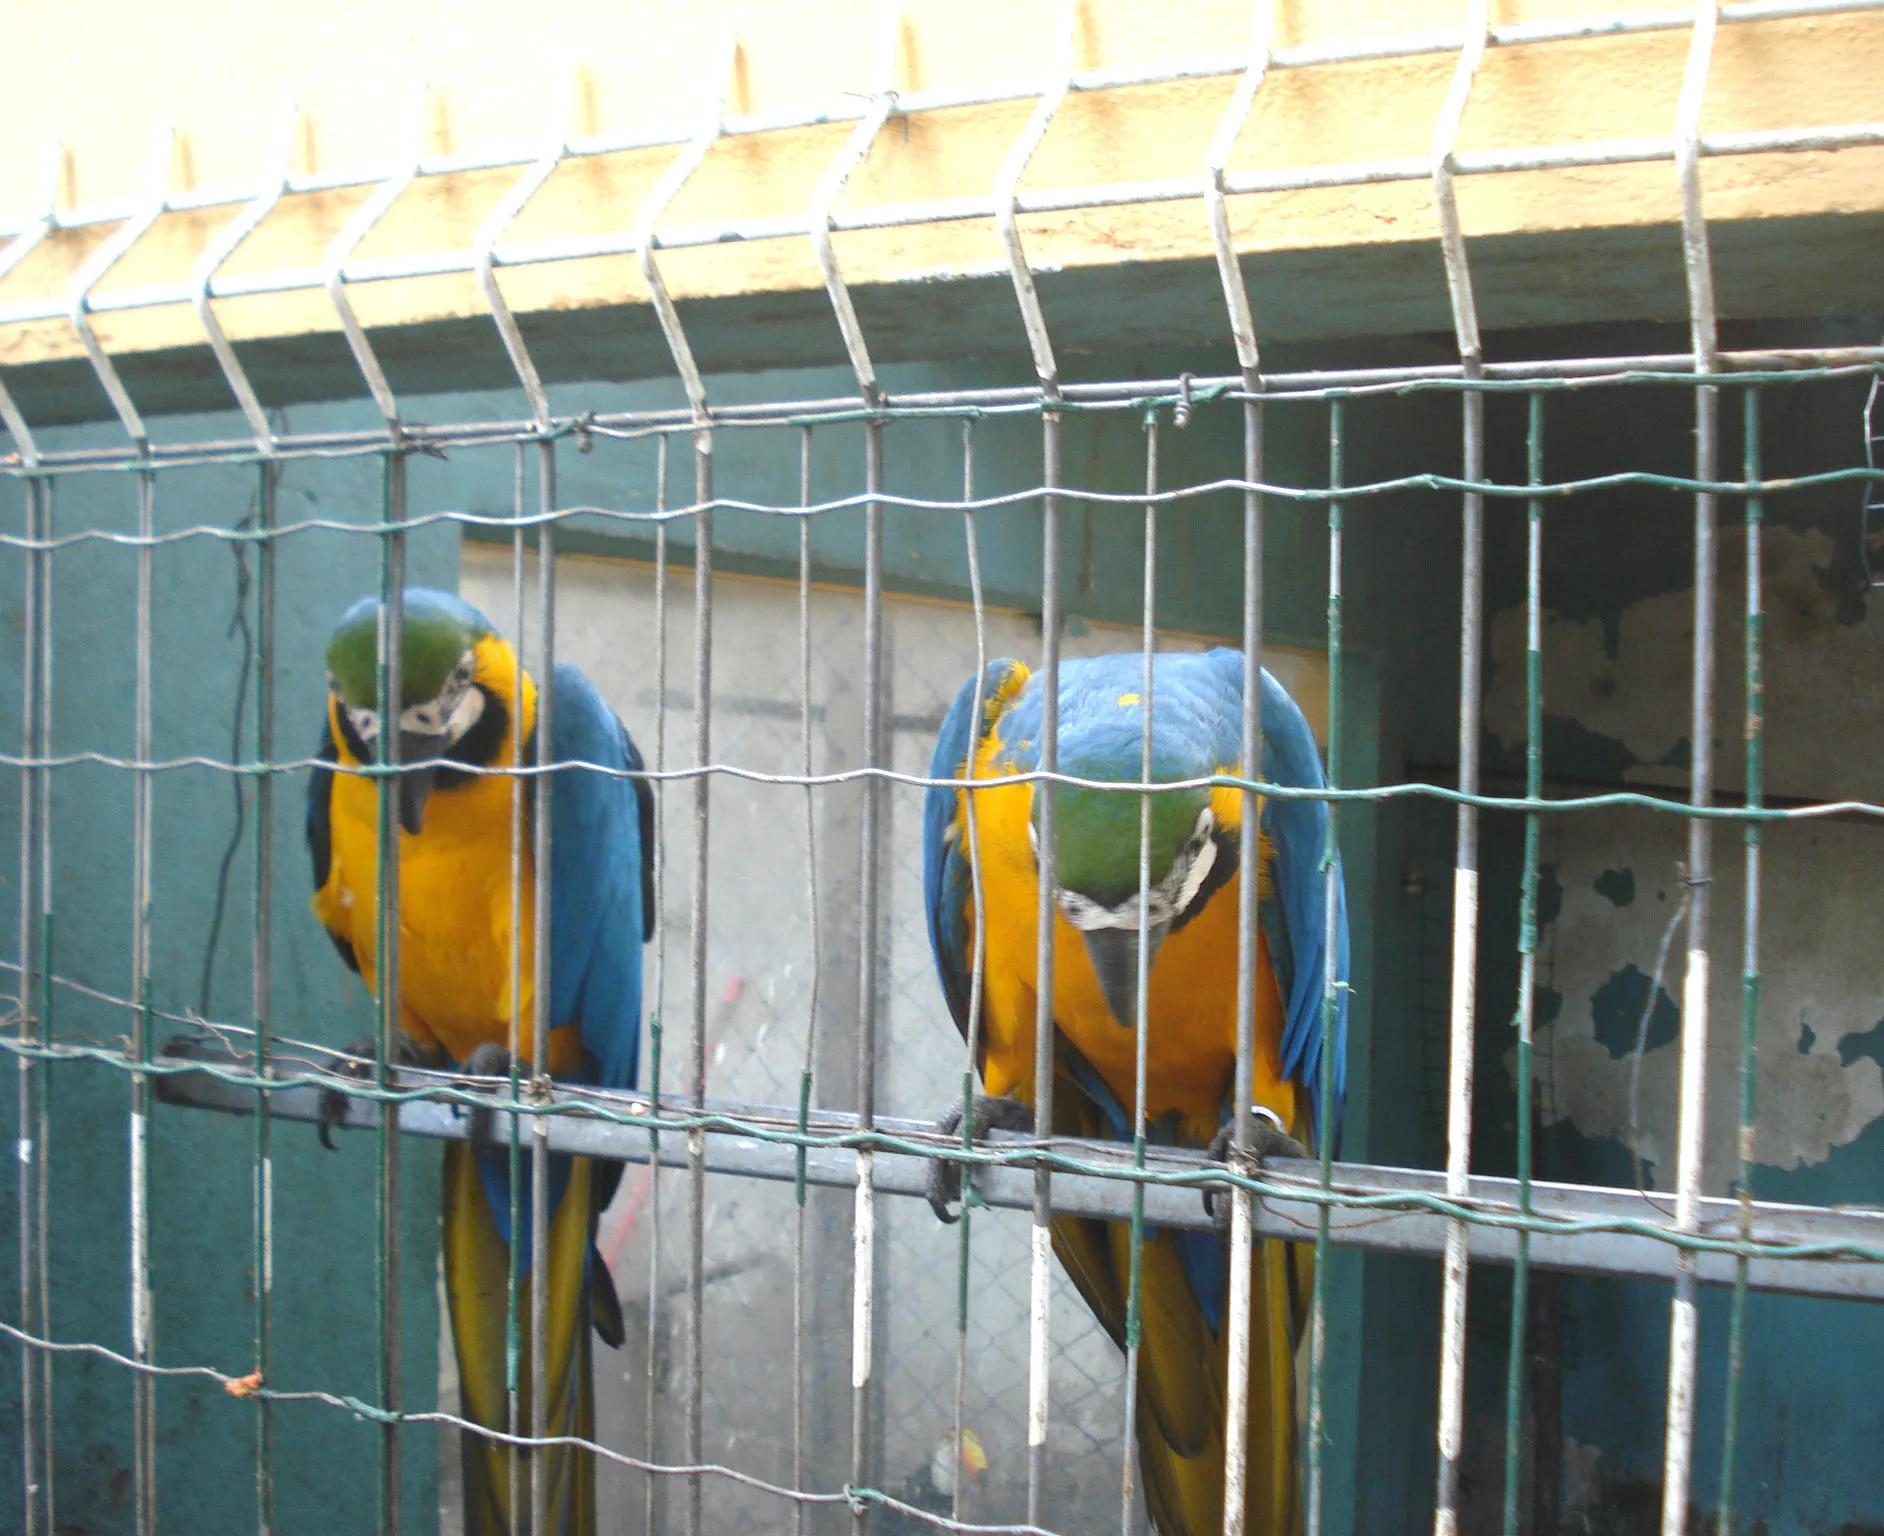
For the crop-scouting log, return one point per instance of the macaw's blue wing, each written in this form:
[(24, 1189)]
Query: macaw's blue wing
[(948, 877), (601, 881), (1296, 920), (1303, 876), (601, 909)]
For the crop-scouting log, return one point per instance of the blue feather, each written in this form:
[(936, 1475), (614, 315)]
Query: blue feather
[(597, 919), (947, 877), (599, 909), (1297, 921)]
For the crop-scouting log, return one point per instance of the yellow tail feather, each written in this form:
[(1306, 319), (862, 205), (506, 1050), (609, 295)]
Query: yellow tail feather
[(1183, 1376), (1183, 1367), (477, 1276)]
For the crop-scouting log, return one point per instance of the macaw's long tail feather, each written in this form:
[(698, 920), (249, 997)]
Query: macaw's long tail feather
[(1183, 1357), (1183, 1373), (604, 1305), (477, 1277)]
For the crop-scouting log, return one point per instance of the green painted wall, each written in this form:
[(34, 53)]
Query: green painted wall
[(201, 1164), (1810, 1395)]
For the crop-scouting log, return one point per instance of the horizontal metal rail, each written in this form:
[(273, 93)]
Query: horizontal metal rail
[(1359, 50), (1776, 365), (1573, 1228), (1867, 811)]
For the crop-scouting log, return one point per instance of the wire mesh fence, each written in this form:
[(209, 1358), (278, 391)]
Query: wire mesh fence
[(804, 1346)]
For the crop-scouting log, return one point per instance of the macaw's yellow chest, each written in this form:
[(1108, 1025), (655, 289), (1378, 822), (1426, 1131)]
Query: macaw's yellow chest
[(456, 957), (1191, 1045)]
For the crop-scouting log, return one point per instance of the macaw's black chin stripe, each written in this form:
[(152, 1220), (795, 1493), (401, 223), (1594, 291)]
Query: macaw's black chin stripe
[(1221, 869), (478, 746)]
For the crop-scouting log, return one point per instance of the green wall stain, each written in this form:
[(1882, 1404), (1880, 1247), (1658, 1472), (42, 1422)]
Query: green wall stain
[(1616, 1007), (1549, 895), (1870, 1043), (1616, 884)]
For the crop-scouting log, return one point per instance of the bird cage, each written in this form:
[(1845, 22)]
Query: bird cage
[(1549, 509)]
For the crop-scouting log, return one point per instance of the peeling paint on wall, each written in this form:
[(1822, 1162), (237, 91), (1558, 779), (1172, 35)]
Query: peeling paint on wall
[(1608, 1055), (1820, 1035), (1582, 1482), (1626, 677), (1819, 1082)]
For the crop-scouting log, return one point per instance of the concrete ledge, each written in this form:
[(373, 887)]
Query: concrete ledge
[(1798, 268)]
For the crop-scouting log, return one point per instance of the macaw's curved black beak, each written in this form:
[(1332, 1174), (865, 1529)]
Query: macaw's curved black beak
[(1114, 956), (415, 784)]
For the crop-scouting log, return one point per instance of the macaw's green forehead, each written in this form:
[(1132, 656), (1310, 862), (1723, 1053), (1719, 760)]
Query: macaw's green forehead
[(437, 630), (1096, 838)]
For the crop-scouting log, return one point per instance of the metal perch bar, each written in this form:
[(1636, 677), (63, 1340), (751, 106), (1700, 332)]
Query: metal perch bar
[(1835, 1234)]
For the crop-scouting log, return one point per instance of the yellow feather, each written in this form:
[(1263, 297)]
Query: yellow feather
[(456, 964), (477, 1278), (455, 960), (1183, 1383)]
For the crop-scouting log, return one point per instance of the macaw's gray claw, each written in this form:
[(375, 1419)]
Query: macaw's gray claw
[(489, 1060), (333, 1113), (1266, 1140), (356, 1061), (945, 1175)]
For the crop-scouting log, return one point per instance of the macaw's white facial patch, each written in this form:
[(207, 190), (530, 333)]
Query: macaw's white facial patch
[(1196, 861), (443, 719), (453, 712), (1166, 900), (365, 723)]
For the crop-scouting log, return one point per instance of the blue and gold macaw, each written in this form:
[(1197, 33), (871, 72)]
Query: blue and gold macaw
[(1189, 929), (459, 687)]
